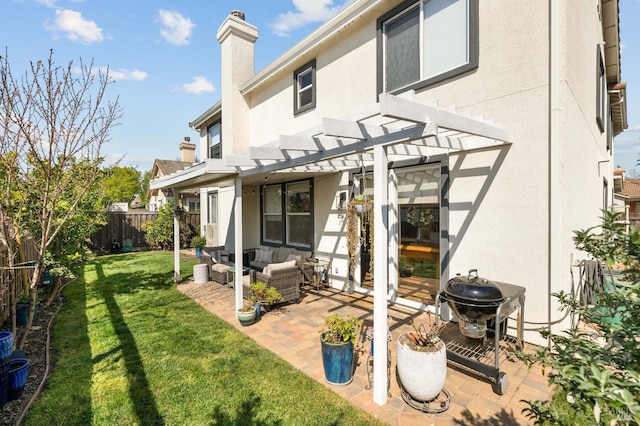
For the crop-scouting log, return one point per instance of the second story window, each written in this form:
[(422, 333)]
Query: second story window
[(423, 42), (601, 91), (304, 82), (214, 141)]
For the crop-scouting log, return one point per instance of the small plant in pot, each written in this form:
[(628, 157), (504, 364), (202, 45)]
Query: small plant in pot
[(263, 295), (422, 359), (246, 314), (337, 340), (198, 242)]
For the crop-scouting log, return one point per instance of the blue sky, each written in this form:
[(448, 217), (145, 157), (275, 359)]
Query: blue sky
[(165, 58)]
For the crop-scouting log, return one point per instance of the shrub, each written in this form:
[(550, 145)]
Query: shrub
[(597, 373)]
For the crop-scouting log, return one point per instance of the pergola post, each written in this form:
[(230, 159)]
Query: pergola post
[(393, 214), (176, 237), (381, 272), (237, 219)]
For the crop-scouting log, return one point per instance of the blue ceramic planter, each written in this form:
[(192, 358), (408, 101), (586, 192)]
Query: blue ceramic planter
[(18, 372), (6, 344), (337, 359)]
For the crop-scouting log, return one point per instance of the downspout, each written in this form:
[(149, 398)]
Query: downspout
[(554, 139)]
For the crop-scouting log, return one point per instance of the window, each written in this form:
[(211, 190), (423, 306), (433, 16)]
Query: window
[(605, 193), (427, 41), (214, 141), (304, 83), (601, 91), (212, 207), (287, 214), (193, 206)]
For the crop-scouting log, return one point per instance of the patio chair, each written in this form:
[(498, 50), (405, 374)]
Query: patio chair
[(285, 280), (212, 256)]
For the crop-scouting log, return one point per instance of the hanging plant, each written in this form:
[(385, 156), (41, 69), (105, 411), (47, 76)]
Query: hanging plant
[(359, 214)]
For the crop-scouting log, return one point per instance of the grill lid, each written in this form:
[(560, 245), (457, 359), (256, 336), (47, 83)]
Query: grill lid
[(472, 288)]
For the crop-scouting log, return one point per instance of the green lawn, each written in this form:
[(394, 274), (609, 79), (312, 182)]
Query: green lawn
[(132, 350)]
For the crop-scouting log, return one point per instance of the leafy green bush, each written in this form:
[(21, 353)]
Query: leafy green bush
[(159, 233), (597, 371)]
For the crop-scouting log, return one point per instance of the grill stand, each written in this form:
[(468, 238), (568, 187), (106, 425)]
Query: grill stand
[(514, 297)]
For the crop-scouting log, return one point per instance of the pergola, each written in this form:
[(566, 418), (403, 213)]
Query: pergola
[(396, 128)]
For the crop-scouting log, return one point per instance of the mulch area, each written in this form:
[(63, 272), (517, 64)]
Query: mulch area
[(35, 352)]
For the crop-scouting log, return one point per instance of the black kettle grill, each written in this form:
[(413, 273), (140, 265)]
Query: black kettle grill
[(474, 300)]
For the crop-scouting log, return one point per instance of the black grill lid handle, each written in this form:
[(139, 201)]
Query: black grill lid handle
[(472, 271)]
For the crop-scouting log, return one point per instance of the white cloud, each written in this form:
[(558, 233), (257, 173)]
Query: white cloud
[(123, 74), (307, 11), (198, 86), (75, 27), (48, 3), (176, 29)]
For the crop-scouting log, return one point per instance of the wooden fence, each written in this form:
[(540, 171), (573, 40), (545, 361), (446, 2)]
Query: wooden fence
[(31, 255), (127, 227)]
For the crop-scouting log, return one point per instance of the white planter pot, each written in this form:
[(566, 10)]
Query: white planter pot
[(422, 374)]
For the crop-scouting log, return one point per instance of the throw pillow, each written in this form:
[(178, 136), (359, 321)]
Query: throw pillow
[(267, 255), (293, 257), (259, 255)]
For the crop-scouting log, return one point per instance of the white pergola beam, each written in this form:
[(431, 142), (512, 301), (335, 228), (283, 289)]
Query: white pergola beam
[(297, 143), (351, 129), (240, 160), (265, 153), (402, 109)]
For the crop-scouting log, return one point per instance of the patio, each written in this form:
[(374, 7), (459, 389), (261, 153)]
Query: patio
[(291, 332)]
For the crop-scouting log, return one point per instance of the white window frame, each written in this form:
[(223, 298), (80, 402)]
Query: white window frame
[(298, 91), (214, 150)]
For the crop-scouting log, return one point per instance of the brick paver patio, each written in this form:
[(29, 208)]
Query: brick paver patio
[(291, 332)]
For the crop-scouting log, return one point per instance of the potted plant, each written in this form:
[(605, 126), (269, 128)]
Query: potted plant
[(246, 314), (198, 242), (359, 215), (422, 360), (263, 295), (337, 340), (22, 309)]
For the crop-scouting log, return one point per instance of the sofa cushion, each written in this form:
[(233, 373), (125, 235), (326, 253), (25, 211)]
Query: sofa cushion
[(278, 266), (283, 254), (219, 267)]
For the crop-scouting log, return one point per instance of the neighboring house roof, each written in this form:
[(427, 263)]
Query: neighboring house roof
[(630, 189), (164, 168)]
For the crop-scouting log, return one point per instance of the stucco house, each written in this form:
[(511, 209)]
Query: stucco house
[(188, 198), (482, 131)]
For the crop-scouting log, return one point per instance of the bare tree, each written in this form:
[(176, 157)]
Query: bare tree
[(54, 121)]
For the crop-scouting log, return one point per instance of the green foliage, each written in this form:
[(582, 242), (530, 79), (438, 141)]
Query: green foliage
[(597, 371), (122, 184), (159, 233), (341, 329), (263, 294), (198, 241), (144, 187)]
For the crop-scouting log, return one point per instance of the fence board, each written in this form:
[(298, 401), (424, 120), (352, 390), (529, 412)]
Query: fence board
[(127, 226), (6, 283)]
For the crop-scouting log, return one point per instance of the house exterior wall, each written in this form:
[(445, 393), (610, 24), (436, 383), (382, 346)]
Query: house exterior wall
[(512, 210)]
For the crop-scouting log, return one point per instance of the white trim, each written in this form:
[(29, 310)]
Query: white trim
[(345, 17)]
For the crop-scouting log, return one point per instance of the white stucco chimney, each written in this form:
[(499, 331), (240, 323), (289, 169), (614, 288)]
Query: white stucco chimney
[(187, 150), (237, 39)]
